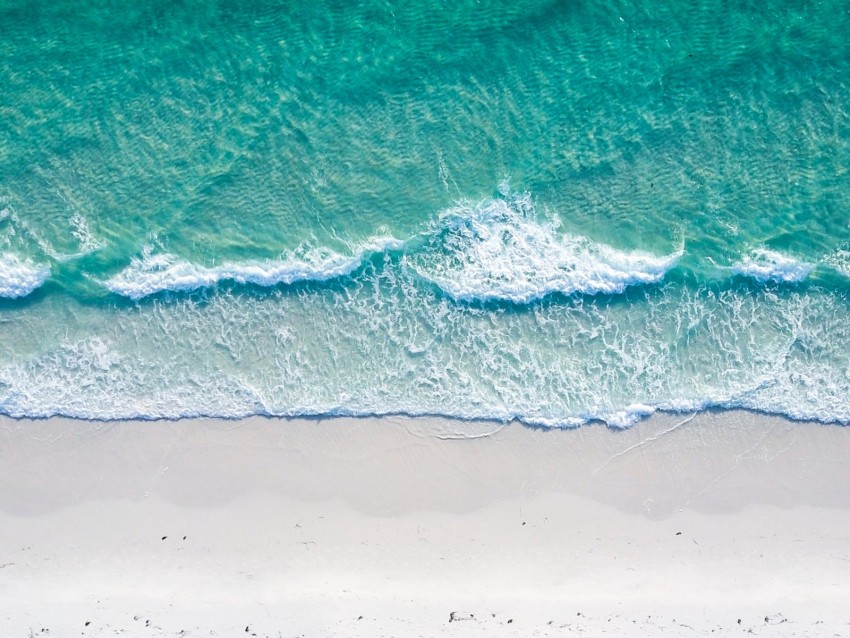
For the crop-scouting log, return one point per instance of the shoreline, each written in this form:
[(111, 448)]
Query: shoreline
[(656, 413), (304, 525)]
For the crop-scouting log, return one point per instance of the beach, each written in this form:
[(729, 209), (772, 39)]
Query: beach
[(482, 317), (685, 524)]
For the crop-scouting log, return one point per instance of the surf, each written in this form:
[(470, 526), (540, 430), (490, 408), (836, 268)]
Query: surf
[(502, 249), (766, 265), (158, 272), (497, 249), (19, 278)]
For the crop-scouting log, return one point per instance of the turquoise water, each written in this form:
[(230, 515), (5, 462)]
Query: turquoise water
[(549, 211)]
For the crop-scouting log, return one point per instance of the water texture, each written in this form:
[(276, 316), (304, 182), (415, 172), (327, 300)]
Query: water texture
[(549, 211)]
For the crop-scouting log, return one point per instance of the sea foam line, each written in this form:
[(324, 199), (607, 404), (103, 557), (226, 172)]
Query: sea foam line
[(18, 278), (152, 273), (497, 249), (768, 265)]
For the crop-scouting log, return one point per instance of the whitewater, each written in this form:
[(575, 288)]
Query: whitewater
[(539, 211), (491, 312)]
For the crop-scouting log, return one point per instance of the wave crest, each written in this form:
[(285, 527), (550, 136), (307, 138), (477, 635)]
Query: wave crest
[(840, 261), (152, 273), (769, 265), (19, 278), (497, 249), (500, 250)]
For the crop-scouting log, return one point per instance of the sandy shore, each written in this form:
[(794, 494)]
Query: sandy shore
[(684, 525)]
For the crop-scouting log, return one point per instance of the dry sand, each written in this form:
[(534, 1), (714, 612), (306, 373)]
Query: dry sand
[(730, 523)]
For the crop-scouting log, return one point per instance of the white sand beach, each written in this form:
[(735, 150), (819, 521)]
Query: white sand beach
[(724, 524)]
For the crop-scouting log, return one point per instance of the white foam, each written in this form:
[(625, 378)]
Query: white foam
[(18, 278), (349, 353), (769, 265), (152, 273), (499, 249), (82, 233), (840, 261)]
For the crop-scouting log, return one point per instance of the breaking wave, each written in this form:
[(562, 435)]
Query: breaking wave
[(768, 265), (496, 250), (152, 273), (501, 250), (18, 278)]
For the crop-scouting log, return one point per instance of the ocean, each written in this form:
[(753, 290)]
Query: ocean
[(550, 211)]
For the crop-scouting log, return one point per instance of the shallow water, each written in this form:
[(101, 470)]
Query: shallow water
[(547, 211)]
